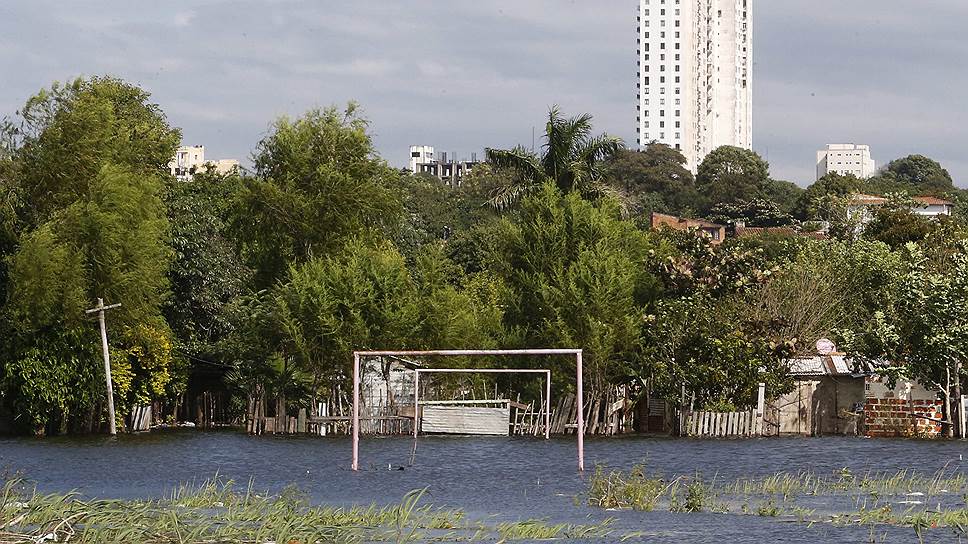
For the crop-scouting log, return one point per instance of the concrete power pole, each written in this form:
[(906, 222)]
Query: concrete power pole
[(101, 308)]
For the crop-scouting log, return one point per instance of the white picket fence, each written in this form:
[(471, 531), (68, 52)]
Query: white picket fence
[(724, 424), (140, 419), (742, 424)]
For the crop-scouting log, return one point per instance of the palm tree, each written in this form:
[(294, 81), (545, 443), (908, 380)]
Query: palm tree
[(571, 158)]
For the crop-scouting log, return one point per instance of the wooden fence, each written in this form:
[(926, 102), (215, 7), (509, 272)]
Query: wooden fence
[(332, 418), (140, 419), (724, 424), (607, 415), (743, 424)]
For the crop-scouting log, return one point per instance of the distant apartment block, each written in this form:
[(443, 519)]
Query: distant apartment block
[(423, 160), (695, 75), (846, 159), (190, 159)]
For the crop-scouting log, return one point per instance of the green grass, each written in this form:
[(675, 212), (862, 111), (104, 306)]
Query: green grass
[(875, 496), (217, 511)]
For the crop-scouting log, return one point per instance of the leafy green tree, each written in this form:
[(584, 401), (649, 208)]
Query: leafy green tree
[(319, 183), (654, 179), (696, 265), (207, 273), (825, 287), (915, 175), (9, 221), (897, 224), (87, 164), (55, 387), (924, 333), (784, 194), (435, 212), (753, 213), (579, 276), (703, 335), (814, 204), (366, 297), (730, 174), (69, 132), (571, 159), (718, 352), (111, 246)]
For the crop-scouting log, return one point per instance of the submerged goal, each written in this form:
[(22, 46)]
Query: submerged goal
[(577, 353)]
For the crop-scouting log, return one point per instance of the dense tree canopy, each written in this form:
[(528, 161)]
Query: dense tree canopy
[(90, 223), (915, 175), (69, 132), (318, 183), (654, 179), (280, 274), (579, 277), (207, 273)]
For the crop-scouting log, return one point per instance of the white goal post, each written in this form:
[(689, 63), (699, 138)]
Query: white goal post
[(577, 353)]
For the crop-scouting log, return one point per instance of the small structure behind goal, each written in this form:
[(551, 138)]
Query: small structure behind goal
[(441, 408), (577, 353)]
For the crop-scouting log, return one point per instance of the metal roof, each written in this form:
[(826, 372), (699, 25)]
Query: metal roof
[(835, 364)]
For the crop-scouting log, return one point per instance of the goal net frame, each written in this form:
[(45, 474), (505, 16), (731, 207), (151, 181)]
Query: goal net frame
[(577, 353)]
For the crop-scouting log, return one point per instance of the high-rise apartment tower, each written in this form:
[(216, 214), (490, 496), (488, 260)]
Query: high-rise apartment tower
[(695, 90)]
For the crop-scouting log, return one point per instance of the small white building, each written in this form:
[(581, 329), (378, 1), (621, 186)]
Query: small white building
[(846, 159), (419, 156), (451, 171), (861, 208), (190, 159), (933, 207), (187, 159)]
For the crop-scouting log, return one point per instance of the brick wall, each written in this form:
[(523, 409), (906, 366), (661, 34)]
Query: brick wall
[(896, 417), (893, 412)]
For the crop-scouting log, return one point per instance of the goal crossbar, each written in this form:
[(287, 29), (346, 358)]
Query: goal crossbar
[(577, 353)]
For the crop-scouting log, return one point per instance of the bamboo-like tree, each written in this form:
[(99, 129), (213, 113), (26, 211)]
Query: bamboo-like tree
[(572, 158)]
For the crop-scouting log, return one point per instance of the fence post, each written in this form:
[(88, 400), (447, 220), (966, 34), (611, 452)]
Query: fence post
[(761, 407), (961, 417), (682, 412)]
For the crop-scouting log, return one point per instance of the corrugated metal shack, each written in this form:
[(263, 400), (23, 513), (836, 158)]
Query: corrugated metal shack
[(828, 399)]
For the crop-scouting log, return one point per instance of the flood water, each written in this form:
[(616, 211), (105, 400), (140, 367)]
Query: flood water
[(512, 479)]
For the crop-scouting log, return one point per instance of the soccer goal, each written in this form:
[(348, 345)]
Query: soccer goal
[(577, 353)]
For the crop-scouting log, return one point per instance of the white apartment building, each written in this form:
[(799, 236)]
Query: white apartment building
[(695, 89), (846, 159), (189, 159)]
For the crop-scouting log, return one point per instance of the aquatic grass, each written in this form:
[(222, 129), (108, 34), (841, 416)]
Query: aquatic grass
[(635, 490), (217, 510), (541, 530), (874, 496)]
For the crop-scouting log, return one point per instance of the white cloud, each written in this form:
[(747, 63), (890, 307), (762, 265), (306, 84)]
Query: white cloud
[(185, 18)]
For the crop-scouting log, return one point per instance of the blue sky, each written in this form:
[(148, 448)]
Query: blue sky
[(463, 74)]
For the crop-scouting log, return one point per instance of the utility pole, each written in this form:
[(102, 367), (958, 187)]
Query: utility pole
[(101, 308)]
